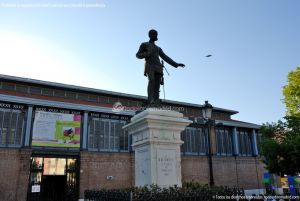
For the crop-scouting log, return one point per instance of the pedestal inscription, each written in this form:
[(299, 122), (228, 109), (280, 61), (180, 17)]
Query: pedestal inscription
[(166, 166)]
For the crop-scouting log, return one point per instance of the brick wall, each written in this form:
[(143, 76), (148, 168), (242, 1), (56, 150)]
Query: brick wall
[(95, 167), (14, 173), (243, 172), (194, 168), (250, 172), (246, 172)]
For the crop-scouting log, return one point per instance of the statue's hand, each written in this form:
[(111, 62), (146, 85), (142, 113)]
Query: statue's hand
[(181, 65)]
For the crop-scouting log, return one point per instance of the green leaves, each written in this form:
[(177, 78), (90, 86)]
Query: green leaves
[(291, 93), (269, 129), (281, 140), (188, 191), (281, 146)]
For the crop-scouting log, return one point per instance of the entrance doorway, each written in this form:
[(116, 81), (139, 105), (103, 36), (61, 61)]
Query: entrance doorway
[(53, 188), (53, 179)]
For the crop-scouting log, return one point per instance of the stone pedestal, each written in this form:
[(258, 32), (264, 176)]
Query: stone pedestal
[(156, 142)]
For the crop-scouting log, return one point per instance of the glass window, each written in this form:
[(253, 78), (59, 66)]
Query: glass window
[(11, 127), (195, 141), (71, 164), (107, 135), (37, 163), (245, 142), (54, 166), (224, 141)]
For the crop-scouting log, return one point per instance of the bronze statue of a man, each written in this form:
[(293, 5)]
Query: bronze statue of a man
[(153, 68)]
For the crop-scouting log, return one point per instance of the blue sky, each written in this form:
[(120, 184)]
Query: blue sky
[(254, 43)]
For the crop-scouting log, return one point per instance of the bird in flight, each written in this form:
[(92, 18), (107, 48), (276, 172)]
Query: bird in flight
[(208, 55)]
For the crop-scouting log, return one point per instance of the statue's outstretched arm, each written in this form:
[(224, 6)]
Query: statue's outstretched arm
[(168, 59)]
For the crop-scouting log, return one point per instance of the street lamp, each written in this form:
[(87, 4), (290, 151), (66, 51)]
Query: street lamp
[(207, 112)]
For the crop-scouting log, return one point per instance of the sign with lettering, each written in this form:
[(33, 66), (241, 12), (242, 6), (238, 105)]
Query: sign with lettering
[(56, 129)]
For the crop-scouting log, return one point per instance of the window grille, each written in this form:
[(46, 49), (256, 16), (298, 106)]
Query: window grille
[(224, 141), (195, 141), (11, 127), (107, 135), (245, 142)]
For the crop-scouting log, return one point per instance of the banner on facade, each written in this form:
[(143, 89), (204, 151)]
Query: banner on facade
[(56, 129)]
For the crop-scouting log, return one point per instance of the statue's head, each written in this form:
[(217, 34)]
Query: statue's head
[(153, 35)]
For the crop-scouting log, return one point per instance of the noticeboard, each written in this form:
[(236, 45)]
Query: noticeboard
[(51, 129)]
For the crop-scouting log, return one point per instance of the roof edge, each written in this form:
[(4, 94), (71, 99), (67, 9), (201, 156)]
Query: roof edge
[(107, 92)]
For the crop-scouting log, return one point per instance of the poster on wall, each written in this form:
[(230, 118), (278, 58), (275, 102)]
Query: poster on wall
[(56, 129)]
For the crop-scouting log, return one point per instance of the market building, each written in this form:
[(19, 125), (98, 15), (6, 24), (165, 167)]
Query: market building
[(57, 140)]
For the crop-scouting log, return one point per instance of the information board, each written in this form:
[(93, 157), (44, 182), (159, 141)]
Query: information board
[(56, 129)]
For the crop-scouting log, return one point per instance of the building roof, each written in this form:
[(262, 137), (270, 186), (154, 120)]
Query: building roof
[(236, 123), (101, 91)]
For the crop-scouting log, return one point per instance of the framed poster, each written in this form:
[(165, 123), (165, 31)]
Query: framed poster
[(56, 129)]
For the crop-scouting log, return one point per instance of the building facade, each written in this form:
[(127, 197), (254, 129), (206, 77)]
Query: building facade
[(58, 140)]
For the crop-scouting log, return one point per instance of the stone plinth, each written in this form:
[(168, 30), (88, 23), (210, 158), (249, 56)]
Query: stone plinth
[(156, 142)]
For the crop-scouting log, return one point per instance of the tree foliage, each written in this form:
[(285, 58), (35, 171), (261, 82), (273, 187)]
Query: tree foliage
[(281, 141), (281, 146), (291, 93)]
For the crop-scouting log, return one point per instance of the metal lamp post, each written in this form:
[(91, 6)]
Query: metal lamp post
[(207, 112)]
